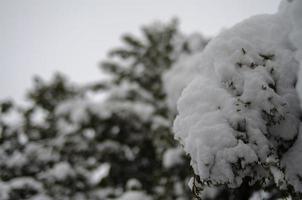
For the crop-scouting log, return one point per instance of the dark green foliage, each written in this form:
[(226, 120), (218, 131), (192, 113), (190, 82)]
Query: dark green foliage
[(49, 96)]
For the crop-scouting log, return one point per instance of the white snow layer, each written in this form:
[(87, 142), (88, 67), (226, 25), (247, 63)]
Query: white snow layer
[(241, 112), (292, 160), (19, 184), (134, 195), (177, 78), (294, 14), (185, 67), (133, 184), (173, 157), (77, 110), (60, 172), (100, 173)]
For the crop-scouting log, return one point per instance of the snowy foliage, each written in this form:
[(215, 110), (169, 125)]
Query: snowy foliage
[(292, 160), (240, 116), (173, 157), (134, 195), (100, 141), (238, 120), (184, 69)]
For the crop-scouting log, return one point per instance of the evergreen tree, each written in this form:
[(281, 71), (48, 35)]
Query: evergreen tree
[(105, 140), (240, 118)]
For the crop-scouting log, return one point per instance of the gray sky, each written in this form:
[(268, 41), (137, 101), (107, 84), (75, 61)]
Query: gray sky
[(40, 37)]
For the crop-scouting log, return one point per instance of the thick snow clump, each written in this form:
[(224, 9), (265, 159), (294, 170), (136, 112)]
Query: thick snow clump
[(184, 68), (239, 117)]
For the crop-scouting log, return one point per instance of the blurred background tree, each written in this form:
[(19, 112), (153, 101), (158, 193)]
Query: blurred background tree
[(106, 140)]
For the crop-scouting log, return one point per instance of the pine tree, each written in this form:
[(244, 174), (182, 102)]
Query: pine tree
[(105, 140), (239, 119)]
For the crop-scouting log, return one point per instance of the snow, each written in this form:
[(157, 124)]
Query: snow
[(65, 127), (22, 138), (4, 191), (125, 88), (241, 111), (133, 184), (100, 173), (13, 118), (60, 172), (41, 197), (187, 44), (17, 159), (173, 157), (38, 117), (238, 117), (76, 111), (89, 133), (76, 108), (210, 193), (44, 154), (144, 110), (115, 147), (184, 69), (292, 161), (134, 195), (105, 192), (178, 77), (260, 195), (19, 184), (293, 12), (109, 146)]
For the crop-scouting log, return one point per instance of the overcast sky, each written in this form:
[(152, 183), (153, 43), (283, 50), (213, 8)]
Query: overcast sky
[(39, 37)]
